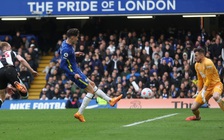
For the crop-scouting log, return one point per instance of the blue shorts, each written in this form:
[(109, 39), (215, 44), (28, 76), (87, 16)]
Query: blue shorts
[(82, 82)]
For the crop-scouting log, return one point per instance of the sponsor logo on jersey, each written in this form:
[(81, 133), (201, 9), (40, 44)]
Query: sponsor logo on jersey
[(65, 54), (208, 67)]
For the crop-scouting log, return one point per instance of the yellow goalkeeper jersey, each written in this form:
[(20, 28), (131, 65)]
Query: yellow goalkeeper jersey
[(207, 73)]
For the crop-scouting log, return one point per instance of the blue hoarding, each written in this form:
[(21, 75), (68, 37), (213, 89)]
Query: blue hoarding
[(45, 104), (108, 7)]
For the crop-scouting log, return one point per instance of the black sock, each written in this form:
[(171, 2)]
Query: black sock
[(1, 103)]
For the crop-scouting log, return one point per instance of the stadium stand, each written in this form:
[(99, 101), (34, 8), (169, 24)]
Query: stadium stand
[(170, 76), (161, 62)]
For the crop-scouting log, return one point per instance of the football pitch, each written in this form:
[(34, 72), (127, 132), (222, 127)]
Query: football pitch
[(111, 124)]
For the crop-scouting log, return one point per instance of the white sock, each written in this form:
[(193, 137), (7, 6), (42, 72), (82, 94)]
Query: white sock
[(100, 93), (85, 102)]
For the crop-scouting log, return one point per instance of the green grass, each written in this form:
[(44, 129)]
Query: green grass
[(107, 124)]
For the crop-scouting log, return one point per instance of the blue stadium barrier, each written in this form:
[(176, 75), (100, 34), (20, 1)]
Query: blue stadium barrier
[(44, 104)]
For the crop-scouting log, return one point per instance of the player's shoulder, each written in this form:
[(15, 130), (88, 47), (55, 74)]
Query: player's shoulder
[(65, 47), (11, 52), (64, 44), (208, 63), (196, 64)]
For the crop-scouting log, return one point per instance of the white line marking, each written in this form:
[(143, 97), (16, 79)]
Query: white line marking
[(150, 120)]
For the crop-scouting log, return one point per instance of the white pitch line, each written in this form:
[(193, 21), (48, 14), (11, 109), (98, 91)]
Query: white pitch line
[(150, 120)]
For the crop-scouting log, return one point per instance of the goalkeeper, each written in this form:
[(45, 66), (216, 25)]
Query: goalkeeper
[(209, 84)]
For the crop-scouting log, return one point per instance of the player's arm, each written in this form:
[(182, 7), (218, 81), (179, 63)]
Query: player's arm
[(25, 63), (66, 64), (209, 67), (200, 80), (77, 54), (199, 84)]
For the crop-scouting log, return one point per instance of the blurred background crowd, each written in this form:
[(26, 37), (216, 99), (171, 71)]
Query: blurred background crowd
[(163, 62)]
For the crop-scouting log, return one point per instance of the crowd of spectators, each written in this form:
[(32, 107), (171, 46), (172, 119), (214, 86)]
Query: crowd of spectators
[(26, 46), (164, 63)]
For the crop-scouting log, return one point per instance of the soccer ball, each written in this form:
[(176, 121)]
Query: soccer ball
[(147, 93)]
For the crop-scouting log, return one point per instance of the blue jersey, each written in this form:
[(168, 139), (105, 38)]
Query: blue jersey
[(68, 59), (69, 66)]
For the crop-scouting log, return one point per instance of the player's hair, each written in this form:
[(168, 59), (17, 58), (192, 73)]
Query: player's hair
[(72, 32), (199, 50), (3, 45)]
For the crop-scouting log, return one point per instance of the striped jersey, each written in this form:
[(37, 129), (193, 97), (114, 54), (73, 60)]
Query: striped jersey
[(7, 58)]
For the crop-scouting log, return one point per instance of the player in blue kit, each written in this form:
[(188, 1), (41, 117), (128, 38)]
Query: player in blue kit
[(73, 72)]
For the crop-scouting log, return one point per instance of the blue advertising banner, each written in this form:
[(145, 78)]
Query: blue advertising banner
[(109, 7), (33, 104), (45, 104)]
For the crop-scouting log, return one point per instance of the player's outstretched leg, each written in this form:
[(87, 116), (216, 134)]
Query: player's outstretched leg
[(195, 111), (79, 116), (193, 118), (20, 87), (2, 97), (113, 101), (85, 102), (101, 94), (23, 95)]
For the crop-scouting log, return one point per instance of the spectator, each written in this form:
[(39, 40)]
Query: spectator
[(16, 41), (131, 51), (148, 48), (56, 57), (58, 45), (111, 47), (115, 64), (49, 69), (56, 94), (44, 94), (25, 76), (158, 51), (8, 39), (86, 61), (168, 59), (31, 62), (174, 92), (81, 57), (156, 59), (33, 53), (163, 67), (95, 62), (133, 73), (43, 97), (182, 94), (216, 50), (164, 94), (128, 96)]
